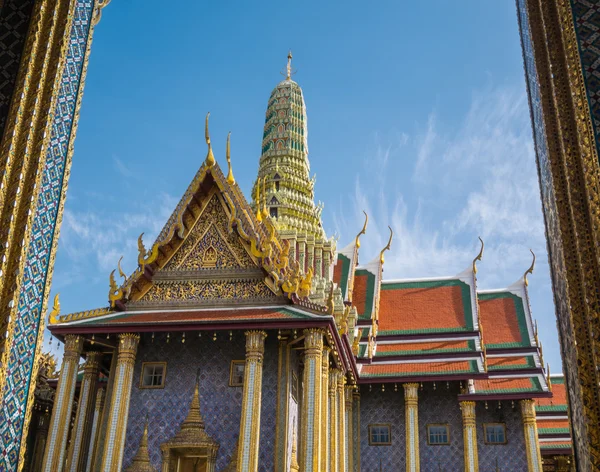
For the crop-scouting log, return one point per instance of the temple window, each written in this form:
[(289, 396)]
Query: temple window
[(153, 375), (380, 435), (438, 434), (494, 433), (273, 212), (236, 373)]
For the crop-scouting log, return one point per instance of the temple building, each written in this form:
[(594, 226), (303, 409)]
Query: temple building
[(246, 340)]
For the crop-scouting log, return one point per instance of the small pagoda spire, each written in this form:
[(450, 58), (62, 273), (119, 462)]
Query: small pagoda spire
[(141, 461), (194, 418), (530, 270), (230, 178), (210, 157), (289, 65)]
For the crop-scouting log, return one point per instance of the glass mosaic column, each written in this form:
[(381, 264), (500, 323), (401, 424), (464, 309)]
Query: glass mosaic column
[(349, 432), (532, 445), (98, 408), (333, 420), (103, 424), (310, 458), (325, 409), (80, 436), (469, 436), (54, 456), (411, 409), (283, 407), (250, 421), (119, 403), (341, 410), (356, 427)]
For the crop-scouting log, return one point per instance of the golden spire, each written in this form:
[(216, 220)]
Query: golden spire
[(478, 258), (289, 66), (141, 461), (53, 317), (230, 179), (210, 158), (530, 270), (362, 231), (265, 213), (258, 212), (387, 247)]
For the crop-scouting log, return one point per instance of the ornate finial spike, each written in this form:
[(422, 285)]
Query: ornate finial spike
[(210, 158), (548, 380), (230, 178), (331, 301), (530, 270), (121, 273), (265, 213), (258, 211), (387, 247), (479, 256), (112, 283), (53, 317), (363, 230), (289, 65)]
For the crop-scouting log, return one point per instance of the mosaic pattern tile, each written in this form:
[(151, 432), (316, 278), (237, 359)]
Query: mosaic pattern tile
[(220, 404), (20, 362)]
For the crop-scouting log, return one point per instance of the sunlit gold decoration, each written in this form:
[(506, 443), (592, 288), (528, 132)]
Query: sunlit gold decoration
[(114, 293), (210, 158), (146, 257), (306, 284), (265, 213), (548, 380), (53, 317), (121, 273), (387, 247), (479, 256), (258, 211), (362, 231), (530, 270), (230, 178), (331, 301), (141, 461), (209, 259)]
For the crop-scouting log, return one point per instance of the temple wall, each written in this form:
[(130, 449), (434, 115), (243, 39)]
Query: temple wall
[(513, 452), (220, 404)]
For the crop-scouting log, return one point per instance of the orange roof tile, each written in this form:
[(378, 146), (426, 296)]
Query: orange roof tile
[(552, 423), (501, 363), (526, 384), (503, 320), (407, 348), (558, 400), (421, 368), (362, 294), (425, 307)]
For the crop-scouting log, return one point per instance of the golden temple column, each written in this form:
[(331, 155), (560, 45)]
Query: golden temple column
[(310, 457), (283, 410), (411, 411), (532, 445), (250, 421), (54, 457), (99, 447), (349, 432), (469, 436), (98, 408), (333, 421), (325, 410), (341, 413), (356, 427), (41, 436), (119, 403), (80, 436)]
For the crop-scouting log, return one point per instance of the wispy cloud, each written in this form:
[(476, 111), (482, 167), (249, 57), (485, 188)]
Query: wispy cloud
[(122, 168)]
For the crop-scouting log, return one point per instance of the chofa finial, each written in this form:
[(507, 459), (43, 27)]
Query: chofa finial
[(210, 157), (530, 270), (289, 65), (387, 247), (230, 178), (362, 231), (53, 317), (479, 256)]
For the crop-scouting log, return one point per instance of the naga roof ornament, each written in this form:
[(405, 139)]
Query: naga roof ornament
[(210, 157), (530, 270), (479, 256), (230, 178)]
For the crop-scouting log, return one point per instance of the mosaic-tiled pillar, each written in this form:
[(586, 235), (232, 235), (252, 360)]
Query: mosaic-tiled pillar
[(310, 457), (341, 410), (103, 425), (349, 431), (532, 445), (118, 412), (333, 421), (251, 402), (356, 427), (98, 408), (80, 436), (411, 408), (469, 436), (325, 409), (283, 407), (54, 457)]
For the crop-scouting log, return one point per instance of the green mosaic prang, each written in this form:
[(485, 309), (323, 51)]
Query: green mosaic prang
[(521, 320)]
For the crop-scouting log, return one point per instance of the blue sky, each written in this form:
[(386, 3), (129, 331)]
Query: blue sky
[(417, 113)]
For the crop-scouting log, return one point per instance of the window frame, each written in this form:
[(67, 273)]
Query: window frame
[(164, 374), (295, 387), (231, 370), (379, 425), (485, 436), (438, 425)]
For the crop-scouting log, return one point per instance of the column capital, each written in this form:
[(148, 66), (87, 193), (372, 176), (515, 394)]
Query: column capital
[(313, 341), (468, 409), (411, 391), (73, 346), (341, 381), (333, 381), (92, 363), (528, 410), (255, 342)]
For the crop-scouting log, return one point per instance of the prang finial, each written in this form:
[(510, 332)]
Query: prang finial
[(479, 256), (258, 211), (289, 65), (210, 157), (530, 270), (387, 247), (362, 231), (230, 178), (265, 213)]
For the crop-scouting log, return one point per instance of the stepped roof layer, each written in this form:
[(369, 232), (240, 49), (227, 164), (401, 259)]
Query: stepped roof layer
[(553, 421)]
